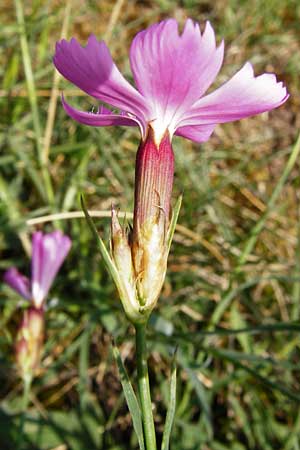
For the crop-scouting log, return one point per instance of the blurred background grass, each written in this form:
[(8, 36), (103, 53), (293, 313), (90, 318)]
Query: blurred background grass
[(237, 389)]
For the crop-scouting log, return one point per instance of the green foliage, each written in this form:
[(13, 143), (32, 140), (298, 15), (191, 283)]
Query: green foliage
[(233, 313), (171, 409), (132, 403)]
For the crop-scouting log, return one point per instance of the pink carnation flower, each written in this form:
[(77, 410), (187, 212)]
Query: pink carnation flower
[(48, 254), (172, 72)]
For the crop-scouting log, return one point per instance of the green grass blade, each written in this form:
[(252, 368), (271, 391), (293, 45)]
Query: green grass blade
[(203, 398), (290, 327), (131, 399), (83, 366), (250, 243), (33, 98), (171, 409), (254, 372), (295, 312)]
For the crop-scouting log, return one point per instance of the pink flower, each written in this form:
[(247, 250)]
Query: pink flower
[(172, 72), (48, 254)]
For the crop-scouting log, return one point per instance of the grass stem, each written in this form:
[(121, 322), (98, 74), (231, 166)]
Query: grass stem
[(49, 195), (55, 90)]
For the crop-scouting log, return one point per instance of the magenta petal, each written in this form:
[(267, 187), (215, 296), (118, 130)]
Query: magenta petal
[(92, 69), (36, 265), (18, 282), (242, 96), (103, 117), (172, 71), (48, 254), (196, 133)]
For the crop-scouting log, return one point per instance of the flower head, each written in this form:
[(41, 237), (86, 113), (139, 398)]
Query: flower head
[(48, 253), (172, 72)]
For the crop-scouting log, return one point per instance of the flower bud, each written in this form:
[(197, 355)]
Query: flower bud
[(29, 341)]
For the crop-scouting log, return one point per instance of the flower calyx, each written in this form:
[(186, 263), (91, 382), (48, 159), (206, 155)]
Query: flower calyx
[(141, 265)]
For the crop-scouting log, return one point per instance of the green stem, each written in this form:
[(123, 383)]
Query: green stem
[(144, 388), (26, 392), (25, 403)]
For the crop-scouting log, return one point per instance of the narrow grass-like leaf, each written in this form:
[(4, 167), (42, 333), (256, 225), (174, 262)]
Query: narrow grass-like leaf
[(292, 443), (202, 396), (74, 180), (84, 354), (250, 243), (173, 223), (131, 399), (11, 204), (254, 372), (232, 292), (33, 98), (295, 313), (198, 336), (103, 250), (32, 172), (171, 408)]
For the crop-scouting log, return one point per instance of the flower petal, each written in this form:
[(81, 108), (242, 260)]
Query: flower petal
[(18, 282), (92, 69), (242, 96), (48, 254), (103, 117), (196, 133), (172, 71)]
